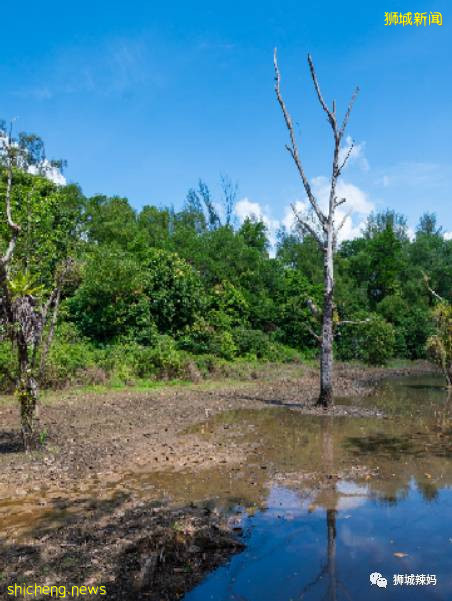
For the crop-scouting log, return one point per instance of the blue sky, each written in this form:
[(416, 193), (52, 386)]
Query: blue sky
[(144, 98)]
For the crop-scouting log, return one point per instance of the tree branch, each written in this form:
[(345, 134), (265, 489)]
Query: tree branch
[(293, 148), (313, 308), (343, 220), (14, 227), (49, 339), (341, 224), (352, 322), (344, 162), (349, 110), (331, 114), (304, 225), (432, 292), (311, 331)]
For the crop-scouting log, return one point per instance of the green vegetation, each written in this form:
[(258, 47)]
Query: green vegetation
[(439, 345), (163, 294)]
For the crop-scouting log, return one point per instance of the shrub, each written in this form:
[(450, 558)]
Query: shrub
[(197, 338), (127, 361), (66, 361), (223, 345), (412, 326), (251, 343), (372, 341), (121, 298)]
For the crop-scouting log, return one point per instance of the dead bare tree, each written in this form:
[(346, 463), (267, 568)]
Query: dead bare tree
[(322, 224), (24, 314)]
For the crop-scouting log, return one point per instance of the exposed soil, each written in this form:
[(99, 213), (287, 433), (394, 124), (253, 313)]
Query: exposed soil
[(144, 553), (93, 433), (151, 546)]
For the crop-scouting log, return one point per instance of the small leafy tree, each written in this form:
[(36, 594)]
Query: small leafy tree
[(439, 345), (30, 297)]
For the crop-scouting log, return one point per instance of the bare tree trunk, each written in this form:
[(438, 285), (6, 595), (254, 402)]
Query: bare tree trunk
[(326, 350)]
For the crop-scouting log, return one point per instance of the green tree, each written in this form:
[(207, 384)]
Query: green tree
[(37, 236), (254, 233), (122, 296)]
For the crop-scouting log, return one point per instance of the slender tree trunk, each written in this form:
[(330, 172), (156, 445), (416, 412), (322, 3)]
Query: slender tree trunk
[(27, 392), (326, 353)]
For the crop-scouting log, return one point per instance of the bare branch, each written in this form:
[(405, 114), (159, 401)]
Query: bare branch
[(352, 322), (52, 304), (311, 331), (349, 110), (313, 308), (49, 338), (343, 220), (331, 114), (340, 202), (15, 229), (305, 226), (293, 148), (432, 292), (342, 223), (344, 162)]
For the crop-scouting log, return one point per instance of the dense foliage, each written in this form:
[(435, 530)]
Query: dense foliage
[(159, 292)]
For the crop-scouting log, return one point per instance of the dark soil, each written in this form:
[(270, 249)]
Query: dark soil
[(144, 553)]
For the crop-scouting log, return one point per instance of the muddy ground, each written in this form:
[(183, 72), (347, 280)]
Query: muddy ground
[(75, 511)]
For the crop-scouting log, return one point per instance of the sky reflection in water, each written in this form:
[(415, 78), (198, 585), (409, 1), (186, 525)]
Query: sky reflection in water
[(324, 545)]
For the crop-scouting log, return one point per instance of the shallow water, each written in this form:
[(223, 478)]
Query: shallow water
[(293, 553), (321, 541)]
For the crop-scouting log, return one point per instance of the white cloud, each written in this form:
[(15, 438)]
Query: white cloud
[(49, 171), (352, 213), (447, 235), (357, 199)]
